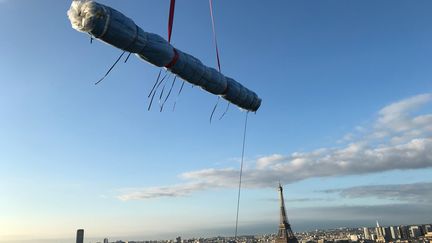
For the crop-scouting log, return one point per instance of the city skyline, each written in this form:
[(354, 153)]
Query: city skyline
[(392, 233), (345, 122)]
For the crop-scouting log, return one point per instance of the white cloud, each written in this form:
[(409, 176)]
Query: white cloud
[(168, 191), (394, 112), (397, 123), (269, 160), (397, 140)]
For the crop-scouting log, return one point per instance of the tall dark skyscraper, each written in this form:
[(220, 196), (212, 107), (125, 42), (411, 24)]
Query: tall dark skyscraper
[(80, 236), (285, 234)]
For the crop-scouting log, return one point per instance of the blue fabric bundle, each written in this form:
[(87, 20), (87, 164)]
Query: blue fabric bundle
[(114, 28)]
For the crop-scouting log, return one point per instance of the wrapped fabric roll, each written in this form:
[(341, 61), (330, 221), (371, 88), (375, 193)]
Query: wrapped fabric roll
[(114, 28)]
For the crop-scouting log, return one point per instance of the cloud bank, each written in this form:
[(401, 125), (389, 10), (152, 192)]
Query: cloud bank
[(414, 193), (398, 139)]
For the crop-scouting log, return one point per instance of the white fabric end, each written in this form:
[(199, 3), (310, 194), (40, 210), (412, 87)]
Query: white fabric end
[(81, 14)]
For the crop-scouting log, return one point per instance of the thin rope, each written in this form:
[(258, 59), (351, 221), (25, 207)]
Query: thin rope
[(178, 94), (111, 68), (214, 34), (154, 86), (151, 101), (160, 97), (241, 173), (162, 91), (156, 89), (181, 88), (214, 109), (169, 93), (127, 58), (170, 90), (226, 110)]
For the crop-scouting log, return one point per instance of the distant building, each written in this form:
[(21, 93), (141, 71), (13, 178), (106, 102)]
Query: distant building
[(285, 234), (428, 236), (387, 234), (379, 233), (178, 240), (394, 232), (415, 231), (366, 233), (428, 228), (106, 240), (80, 236), (404, 232)]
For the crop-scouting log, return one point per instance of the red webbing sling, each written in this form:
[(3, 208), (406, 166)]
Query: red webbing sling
[(214, 34), (171, 19)]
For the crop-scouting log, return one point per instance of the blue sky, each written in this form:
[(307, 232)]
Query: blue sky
[(344, 123)]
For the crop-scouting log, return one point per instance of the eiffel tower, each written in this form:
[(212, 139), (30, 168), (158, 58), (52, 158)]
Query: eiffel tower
[(285, 234)]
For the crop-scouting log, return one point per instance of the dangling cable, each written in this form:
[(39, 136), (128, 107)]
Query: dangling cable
[(154, 86), (151, 101), (127, 58), (169, 92), (226, 110), (160, 97), (154, 90), (214, 109), (162, 92), (163, 78), (241, 173), (217, 56), (111, 68), (91, 38), (214, 34), (181, 88), (178, 94)]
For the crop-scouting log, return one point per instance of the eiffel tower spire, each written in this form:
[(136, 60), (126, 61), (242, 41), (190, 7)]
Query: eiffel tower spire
[(285, 234)]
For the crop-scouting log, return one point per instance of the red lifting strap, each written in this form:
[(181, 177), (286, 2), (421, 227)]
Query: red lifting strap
[(171, 19), (214, 34), (170, 26), (174, 60)]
